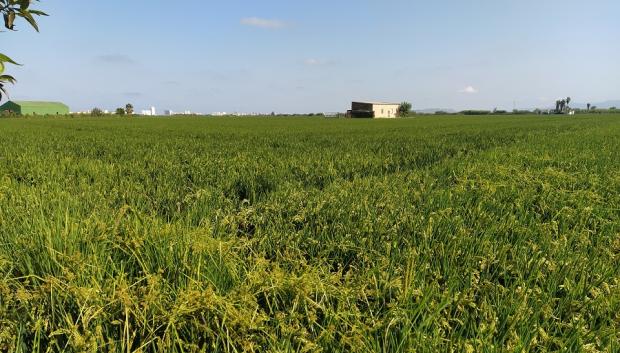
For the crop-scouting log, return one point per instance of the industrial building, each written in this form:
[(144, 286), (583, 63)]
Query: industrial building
[(377, 110), (34, 108), (149, 112)]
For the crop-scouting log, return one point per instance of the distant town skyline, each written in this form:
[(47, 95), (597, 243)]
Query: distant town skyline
[(283, 56)]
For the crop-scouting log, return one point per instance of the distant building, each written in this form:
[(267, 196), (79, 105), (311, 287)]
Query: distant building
[(332, 114), (149, 112), (377, 110), (34, 108)]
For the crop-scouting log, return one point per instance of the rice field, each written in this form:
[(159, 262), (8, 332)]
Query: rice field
[(430, 234)]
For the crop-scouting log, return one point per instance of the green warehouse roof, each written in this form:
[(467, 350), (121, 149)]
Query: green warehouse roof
[(35, 107)]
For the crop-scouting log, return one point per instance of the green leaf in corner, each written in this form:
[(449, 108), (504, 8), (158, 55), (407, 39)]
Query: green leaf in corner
[(38, 13), (2, 91), (9, 20), (28, 17), (7, 78), (6, 59), (24, 4)]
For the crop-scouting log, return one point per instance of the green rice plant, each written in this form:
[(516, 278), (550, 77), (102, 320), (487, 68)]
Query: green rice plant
[(433, 234)]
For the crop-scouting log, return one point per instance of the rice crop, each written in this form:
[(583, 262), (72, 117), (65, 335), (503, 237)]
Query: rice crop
[(430, 234)]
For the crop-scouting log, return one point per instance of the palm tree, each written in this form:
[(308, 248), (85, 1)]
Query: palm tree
[(129, 109)]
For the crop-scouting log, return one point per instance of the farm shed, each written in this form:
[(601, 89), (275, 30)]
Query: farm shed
[(377, 110), (34, 108)]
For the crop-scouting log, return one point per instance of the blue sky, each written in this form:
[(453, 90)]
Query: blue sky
[(307, 56)]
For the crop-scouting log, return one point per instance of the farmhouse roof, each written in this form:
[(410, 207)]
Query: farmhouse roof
[(377, 103), (37, 103)]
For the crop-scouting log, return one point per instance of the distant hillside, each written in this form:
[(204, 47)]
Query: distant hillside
[(434, 110)]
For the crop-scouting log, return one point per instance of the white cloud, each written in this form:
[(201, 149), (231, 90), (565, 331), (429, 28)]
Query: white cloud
[(313, 62), (262, 23), (318, 62), (114, 59), (469, 90)]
